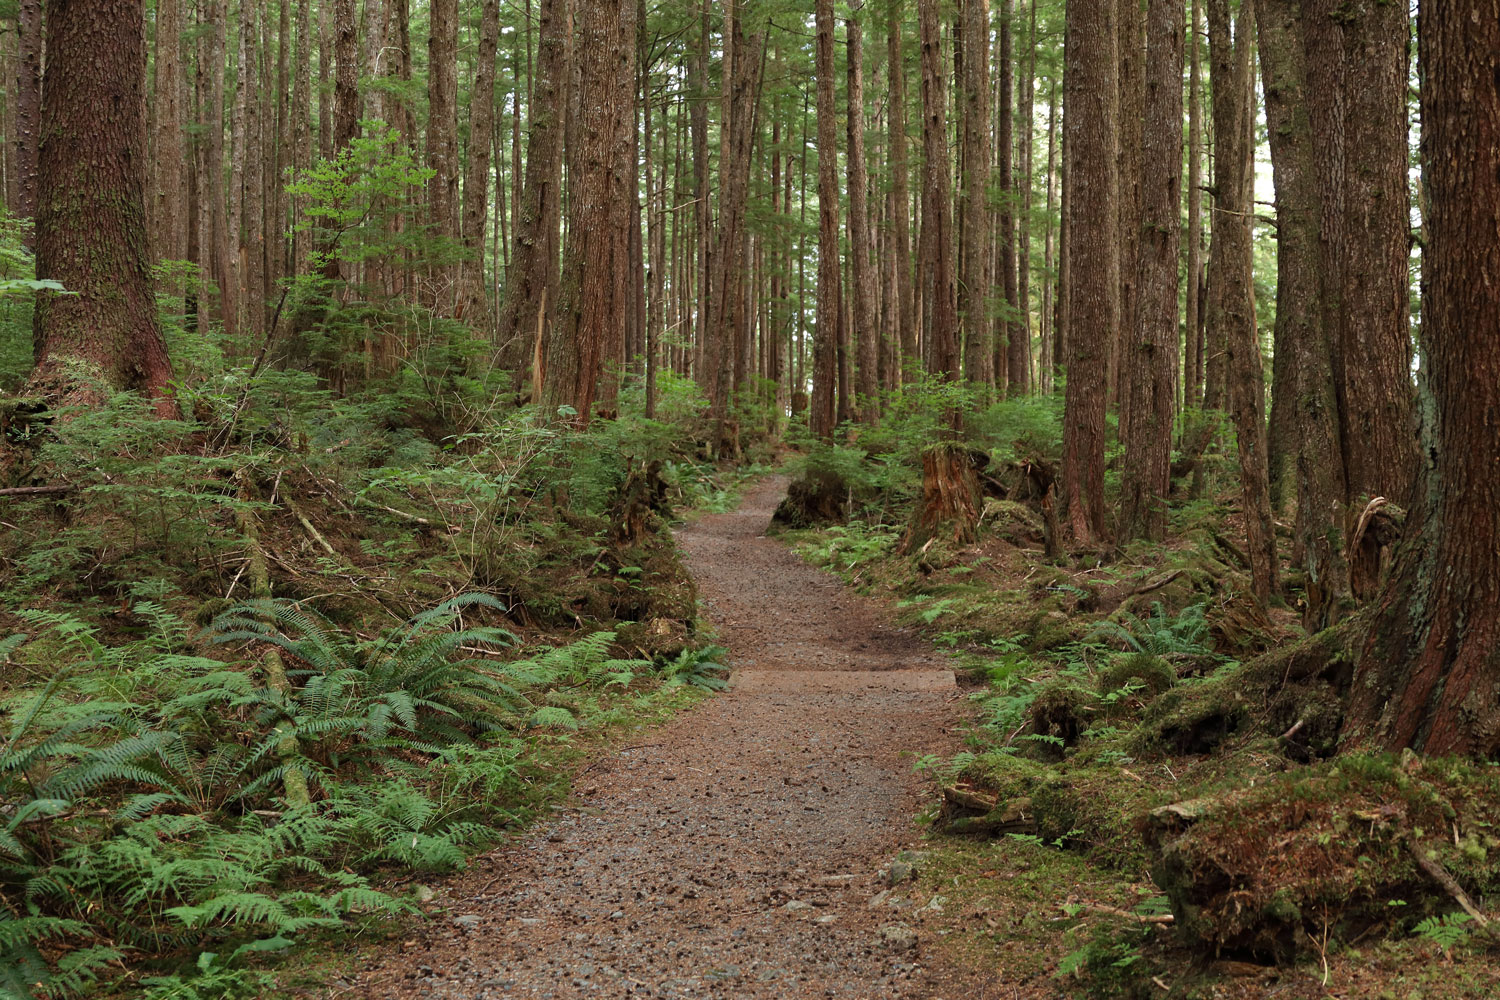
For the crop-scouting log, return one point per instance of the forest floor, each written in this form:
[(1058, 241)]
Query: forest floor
[(745, 850)]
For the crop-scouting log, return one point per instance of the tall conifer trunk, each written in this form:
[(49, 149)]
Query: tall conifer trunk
[(91, 230), (1090, 123), (1429, 675)]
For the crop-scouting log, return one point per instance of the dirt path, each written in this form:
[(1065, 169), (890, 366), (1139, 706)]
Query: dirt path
[(736, 853)]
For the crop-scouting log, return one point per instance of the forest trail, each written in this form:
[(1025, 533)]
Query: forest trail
[(736, 852)]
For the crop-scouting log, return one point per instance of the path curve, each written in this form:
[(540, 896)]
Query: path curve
[(735, 853)]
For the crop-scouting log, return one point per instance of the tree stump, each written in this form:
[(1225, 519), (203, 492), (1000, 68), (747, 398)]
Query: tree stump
[(950, 498)]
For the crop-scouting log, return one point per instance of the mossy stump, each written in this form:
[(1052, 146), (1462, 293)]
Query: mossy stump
[(950, 503)]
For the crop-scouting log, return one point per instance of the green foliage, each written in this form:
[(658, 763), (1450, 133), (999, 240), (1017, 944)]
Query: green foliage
[(142, 780), (698, 667), (1161, 634), (1445, 930)]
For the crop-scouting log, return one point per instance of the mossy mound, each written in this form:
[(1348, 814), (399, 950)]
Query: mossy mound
[(1153, 674), (1012, 522), (1265, 871), (818, 498)]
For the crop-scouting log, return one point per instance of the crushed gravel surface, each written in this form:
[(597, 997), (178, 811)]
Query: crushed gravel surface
[(745, 849)]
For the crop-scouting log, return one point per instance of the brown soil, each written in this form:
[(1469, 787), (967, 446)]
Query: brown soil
[(738, 852)]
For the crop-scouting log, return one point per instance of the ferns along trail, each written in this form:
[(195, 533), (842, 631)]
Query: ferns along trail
[(928, 499)]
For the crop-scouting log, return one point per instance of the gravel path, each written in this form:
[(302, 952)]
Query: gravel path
[(737, 853)]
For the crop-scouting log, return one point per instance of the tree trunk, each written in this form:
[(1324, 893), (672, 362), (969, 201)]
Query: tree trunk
[(1017, 346), (1303, 390), (1132, 94), (28, 114), (442, 143), (1192, 382), (593, 301), (531, 291), (1429, 675), (826, 336), (474, 300), (165, 210), (1152, 360), (1019, 381), (91, 233), (301, 120), (1231, 295), (866, 328), (1357, 56), (727, 280), (1090, 124), (937, 200), (974, 177), (906, 321)]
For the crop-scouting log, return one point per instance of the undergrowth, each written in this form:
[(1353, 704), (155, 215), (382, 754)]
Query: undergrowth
[(143, 784)]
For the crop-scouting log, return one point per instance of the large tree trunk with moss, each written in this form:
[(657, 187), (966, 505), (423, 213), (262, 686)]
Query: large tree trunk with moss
[(906, 313), (1429, 676), (28, 107), (864, 306), (442, 143), (727, 285), (91, 208)]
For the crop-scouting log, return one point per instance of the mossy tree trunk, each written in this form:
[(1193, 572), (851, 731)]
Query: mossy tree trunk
[(91, 231), (1429, 675)]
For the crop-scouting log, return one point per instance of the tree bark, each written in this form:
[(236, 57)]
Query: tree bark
[(593, 301), (823, 412), (474, 300), (167, 200), (1231, 295), (977, 232), (442, 143), (937, 200), (28, 113), (1090, 125), (727, 283), (531, 291), (1152, 360), (866, 331), (1429, 674), (1303, 390), (1017, 339), (1132, 94), (91, 230), (906, 322), (1192, 382)]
